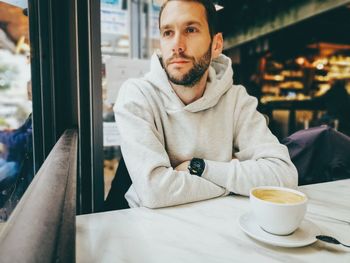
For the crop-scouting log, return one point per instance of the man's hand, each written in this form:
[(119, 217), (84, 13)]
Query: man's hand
[(183, 166)]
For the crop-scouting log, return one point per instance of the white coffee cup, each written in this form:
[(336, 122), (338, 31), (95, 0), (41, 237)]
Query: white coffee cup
[(278, 210)]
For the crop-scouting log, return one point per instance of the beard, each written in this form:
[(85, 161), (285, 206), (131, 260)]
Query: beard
[(194, 75)]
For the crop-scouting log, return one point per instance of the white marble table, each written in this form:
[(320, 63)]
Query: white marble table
[(208, 231)]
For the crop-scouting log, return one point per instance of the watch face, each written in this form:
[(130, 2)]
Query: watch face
[(196, 166)]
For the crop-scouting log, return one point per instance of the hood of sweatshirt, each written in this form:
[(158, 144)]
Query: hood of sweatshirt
[(219, 82)]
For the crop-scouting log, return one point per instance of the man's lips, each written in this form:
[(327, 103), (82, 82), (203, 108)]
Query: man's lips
[(179, 62)]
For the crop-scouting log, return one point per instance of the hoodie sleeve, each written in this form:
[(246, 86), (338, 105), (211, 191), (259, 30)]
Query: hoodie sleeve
[(156, 183), (261, 159)]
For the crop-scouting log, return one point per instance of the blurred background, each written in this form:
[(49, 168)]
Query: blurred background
[(16, 151), (14, 66)]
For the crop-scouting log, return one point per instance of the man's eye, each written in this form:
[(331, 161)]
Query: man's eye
[(166, 33), (191, 30)]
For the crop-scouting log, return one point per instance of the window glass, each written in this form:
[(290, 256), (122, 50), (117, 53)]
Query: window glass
[(129, 36), (16, 147)]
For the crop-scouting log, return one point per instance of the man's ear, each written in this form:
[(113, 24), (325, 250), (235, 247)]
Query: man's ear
[(217, 46)]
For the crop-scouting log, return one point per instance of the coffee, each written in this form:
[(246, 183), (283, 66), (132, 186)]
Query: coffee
[(278, 196)]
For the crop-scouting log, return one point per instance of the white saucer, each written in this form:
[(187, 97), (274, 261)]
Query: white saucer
[(303, 236)]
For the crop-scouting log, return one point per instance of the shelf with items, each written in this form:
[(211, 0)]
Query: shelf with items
[(300, 88), (302, 78)]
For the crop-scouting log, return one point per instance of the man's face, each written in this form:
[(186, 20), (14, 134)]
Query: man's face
[(185, 42)]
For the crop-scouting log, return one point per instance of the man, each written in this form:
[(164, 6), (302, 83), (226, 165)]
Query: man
[(187, 133)]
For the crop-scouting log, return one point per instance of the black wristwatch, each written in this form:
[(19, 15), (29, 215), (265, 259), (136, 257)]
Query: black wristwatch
[(196, 166)]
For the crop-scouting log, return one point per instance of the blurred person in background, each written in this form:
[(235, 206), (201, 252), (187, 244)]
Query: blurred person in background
[(16, 164), (337, 101)]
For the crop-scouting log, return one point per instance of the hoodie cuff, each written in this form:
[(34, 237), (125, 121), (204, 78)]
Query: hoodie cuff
[(216, 172)]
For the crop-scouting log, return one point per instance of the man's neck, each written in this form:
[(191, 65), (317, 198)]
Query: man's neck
[(190, 94)]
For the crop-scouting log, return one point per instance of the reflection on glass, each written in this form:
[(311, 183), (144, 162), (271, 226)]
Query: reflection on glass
[(16, 148), (126, 26)]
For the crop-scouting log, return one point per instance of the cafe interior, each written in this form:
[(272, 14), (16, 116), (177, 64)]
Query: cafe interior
[(291, 67), (292, 56)]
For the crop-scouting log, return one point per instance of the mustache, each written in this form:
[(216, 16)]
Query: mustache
[(177, 56)]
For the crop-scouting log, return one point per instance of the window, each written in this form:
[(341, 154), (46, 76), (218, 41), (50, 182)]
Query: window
[(16, 141), (129, 36)]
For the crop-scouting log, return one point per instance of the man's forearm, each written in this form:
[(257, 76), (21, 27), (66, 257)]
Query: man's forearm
[(240, 176)]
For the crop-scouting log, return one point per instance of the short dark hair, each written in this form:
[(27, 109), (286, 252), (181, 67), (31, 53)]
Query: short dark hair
[(209, 10)]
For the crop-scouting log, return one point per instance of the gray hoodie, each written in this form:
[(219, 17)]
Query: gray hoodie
[(158, 132)]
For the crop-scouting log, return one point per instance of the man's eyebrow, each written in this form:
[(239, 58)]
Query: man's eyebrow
[(193, 23), (189, 23), (165, 27)]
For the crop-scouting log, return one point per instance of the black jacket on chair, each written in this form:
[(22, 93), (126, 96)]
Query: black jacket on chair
[(320, 154)]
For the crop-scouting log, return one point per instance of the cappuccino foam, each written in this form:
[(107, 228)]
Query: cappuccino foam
[(278, 196)]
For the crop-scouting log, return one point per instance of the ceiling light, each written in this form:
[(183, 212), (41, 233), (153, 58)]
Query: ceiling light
[(320, 66), (300, 60), (218, 7)]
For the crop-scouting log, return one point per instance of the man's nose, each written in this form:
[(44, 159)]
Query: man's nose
[(179, 45)]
